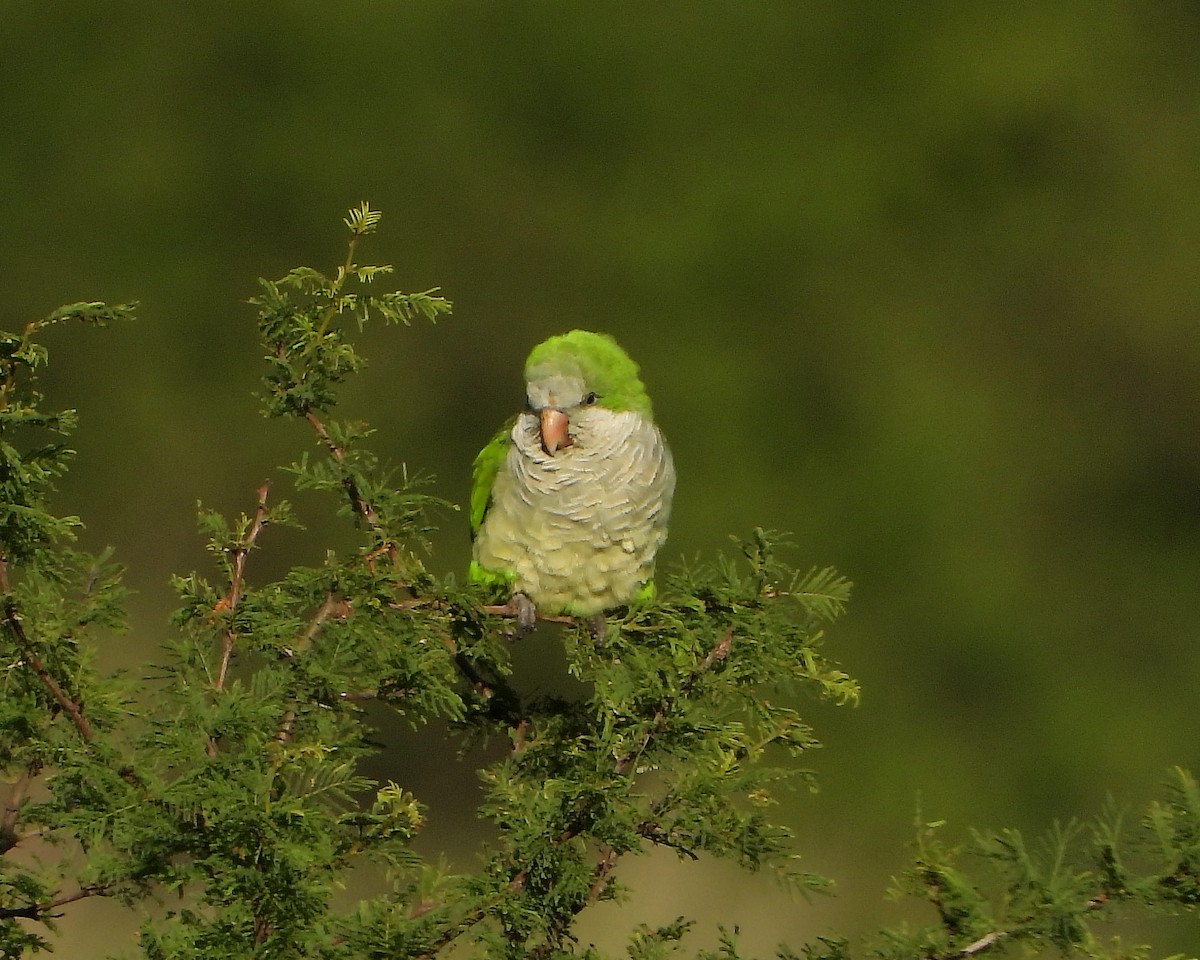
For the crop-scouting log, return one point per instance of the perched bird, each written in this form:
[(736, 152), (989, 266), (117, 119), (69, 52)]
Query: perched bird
[(570, 499)]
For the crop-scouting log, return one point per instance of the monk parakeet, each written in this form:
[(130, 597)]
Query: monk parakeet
[(571, 498)]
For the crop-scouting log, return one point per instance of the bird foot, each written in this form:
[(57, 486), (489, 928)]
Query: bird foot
[(526, 613), (597, 626)]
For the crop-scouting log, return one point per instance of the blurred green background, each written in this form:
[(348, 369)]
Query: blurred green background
[(917, 282)]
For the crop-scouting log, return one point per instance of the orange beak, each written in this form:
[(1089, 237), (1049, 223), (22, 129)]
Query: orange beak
[(554, 430)]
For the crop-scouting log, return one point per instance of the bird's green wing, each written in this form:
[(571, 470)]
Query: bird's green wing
[(483, 477), (483, 473)]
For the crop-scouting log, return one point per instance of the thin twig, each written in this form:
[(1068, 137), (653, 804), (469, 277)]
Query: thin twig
[(332, 608), (12, 620), (358, 503), (510, 610), (383, 694), (986, 942), (718, 653), (989, 940), (600, 874), (287, 725), (72, 708), (450, 934), (36, 911), (237, 581)]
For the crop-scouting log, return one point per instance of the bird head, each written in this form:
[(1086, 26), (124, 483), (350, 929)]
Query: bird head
[(578, 375)]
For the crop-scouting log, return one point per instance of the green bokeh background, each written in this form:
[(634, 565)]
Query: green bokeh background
[(917, 282)]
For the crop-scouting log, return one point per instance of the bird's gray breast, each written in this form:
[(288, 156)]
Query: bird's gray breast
[(579, 530), (616, 477)]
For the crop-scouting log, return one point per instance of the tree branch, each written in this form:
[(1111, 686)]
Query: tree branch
[(995, 937), (608, 860), (37, 911), (360, 505), (986, 942), (237, 581), (70, 706), (600, 874), (509, 610), (718, 653)]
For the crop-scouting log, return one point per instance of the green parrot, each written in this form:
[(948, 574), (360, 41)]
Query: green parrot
[(571, 498)]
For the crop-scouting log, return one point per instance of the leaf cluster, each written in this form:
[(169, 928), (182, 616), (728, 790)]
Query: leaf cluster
[(301, 319), (999, 893)]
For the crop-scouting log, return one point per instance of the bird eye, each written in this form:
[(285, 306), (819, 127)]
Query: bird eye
[(589, 399)]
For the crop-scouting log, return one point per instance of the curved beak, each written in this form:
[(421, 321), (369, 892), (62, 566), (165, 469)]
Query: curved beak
[(554, 430)]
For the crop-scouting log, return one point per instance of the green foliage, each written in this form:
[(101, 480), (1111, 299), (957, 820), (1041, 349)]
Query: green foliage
[(27, 529), (225, 798), (1059, 893), (307, 349)]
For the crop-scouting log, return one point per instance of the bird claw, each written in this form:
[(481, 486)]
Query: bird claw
[(597, 626), (526, 613)]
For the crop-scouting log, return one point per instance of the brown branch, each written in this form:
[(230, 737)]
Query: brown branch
[(601, 873), (332, 608), (986, 942), (509, 610), (995, 937), (287, 725), (365, 511), (70, 706), (358, 503), (515, 885), (96, 890), (604, 867), (718, 653), (237, 581), (383, 694), (36, 911)]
